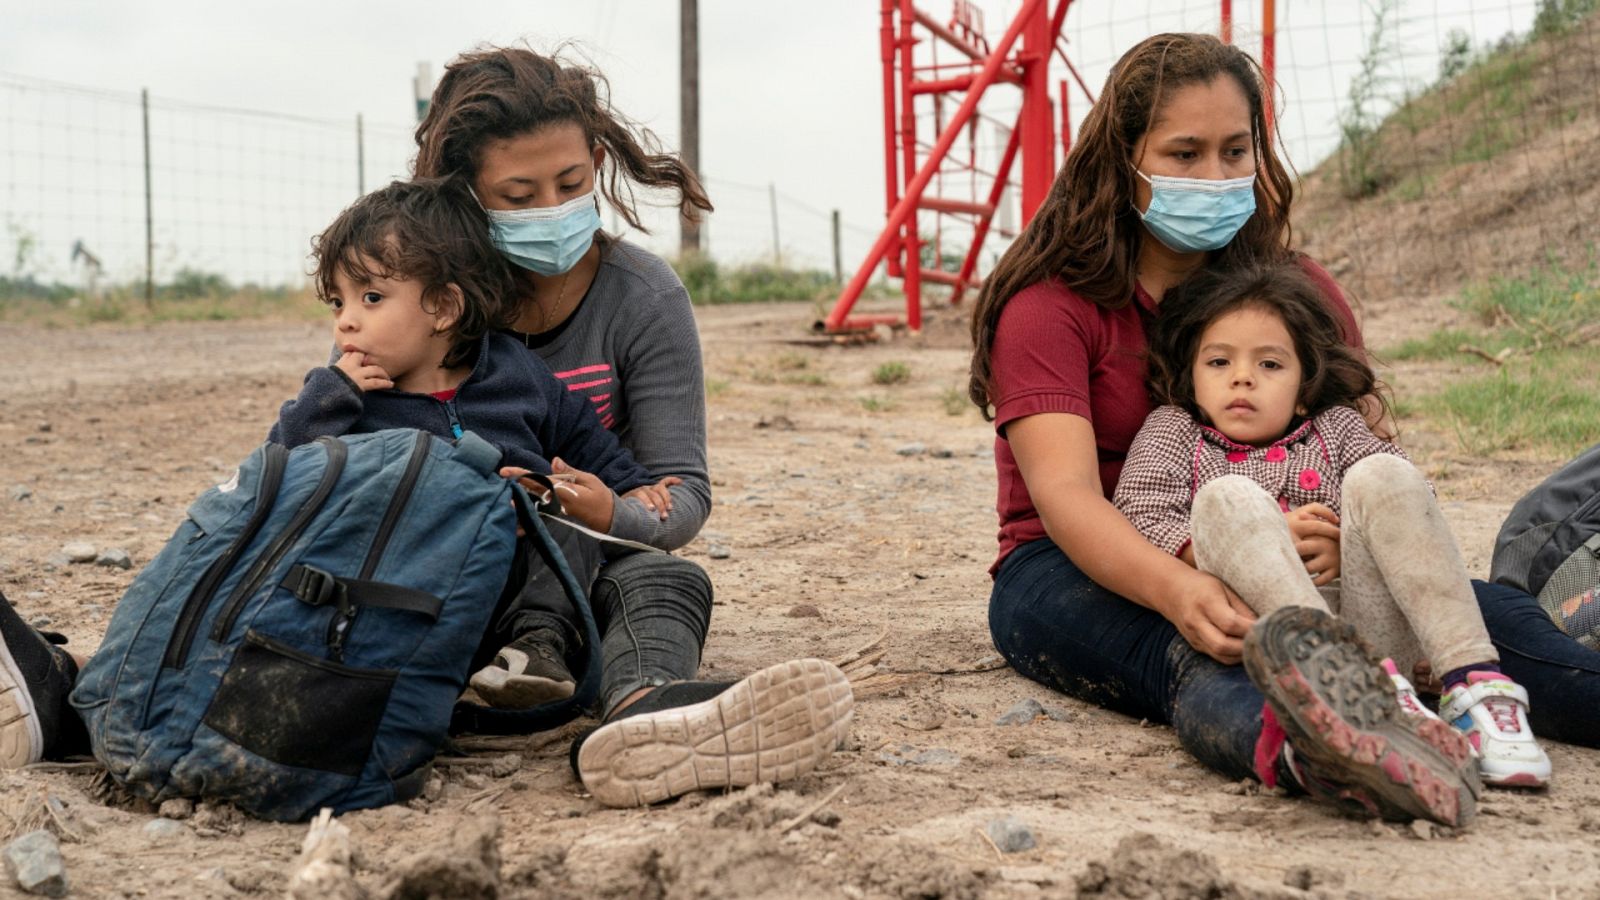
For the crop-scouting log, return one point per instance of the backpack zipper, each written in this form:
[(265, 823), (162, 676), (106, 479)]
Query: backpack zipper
[(277, 458), (337, 451), (339, 629)]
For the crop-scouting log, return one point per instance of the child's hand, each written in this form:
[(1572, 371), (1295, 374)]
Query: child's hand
[(367, 377), (585, 498), (656, 496), (1315, 529)]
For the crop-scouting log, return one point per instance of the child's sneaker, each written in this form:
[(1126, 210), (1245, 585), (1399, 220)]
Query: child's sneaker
[(1492, 711), (35, 679), (525, 673), (1404, 694), (1350, 743), (692, 736)]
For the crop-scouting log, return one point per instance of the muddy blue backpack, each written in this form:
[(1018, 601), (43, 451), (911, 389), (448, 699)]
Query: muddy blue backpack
[(302, 639), (1549, 545)]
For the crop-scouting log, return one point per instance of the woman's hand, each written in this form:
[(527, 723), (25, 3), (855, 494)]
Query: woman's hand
[(581, 495), (1315, 528), (1210, 616), (585, 497), (656, 497)]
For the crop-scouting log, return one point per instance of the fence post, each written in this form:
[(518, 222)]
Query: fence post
[(149, 218), (772, 197), (838, 261), (361, 158)]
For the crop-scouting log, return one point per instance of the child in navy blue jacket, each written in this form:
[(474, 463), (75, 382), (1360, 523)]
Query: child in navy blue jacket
[(418, 292)]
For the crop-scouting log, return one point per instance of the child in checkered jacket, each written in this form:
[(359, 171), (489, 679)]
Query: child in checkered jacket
[(1259, 467)]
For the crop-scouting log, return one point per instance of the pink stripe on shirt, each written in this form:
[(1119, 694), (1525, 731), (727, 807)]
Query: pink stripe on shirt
[(587, 384), (602, 367)]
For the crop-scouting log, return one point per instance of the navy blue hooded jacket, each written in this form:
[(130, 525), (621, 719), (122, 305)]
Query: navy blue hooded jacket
[(510, 400)]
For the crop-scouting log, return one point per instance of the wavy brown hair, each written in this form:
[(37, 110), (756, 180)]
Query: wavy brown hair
[(1332, 373), (431, 231), (1087, 232), (503, 92)]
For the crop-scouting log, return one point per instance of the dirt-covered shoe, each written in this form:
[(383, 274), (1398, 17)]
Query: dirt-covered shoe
[(525, 673), (772, 726), (1492, 711), (1404, 694), (1338, 710), (35, 679)]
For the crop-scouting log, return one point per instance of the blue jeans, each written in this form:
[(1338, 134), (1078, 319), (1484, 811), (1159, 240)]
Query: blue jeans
[(1562, 676), (1057, 627)]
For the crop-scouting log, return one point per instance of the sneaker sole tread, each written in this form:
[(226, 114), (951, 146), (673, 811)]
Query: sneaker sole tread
[(1413, 768), (21, 741), (775, 725)]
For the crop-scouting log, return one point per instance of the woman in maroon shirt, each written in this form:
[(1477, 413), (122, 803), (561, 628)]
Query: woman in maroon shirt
[(1172, 171)]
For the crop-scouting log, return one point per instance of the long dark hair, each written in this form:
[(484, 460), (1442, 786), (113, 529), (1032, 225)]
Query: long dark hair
[(430, 231), (1332, 373), (1087, 232), (503, 92)]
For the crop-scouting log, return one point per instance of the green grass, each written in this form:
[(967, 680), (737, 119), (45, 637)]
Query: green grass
[(955, 401), (716, 387), (710, 283), (893, 372), (129, 307), (806, 379), (1549, 403), (1545, 396), (874, 403)]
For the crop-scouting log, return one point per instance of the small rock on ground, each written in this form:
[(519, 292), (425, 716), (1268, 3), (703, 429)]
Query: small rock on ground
[(20, 493), (79, 552), (34, 860), (160, 831), (803, 611), (718, 551), (114, 557), (176, 808), (1025, 711), (1011, 835), (913, 449)]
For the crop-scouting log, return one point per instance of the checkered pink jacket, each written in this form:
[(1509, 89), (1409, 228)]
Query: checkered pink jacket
[(1173, 455)]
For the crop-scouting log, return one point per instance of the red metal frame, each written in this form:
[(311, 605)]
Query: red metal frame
[(1021, 57)]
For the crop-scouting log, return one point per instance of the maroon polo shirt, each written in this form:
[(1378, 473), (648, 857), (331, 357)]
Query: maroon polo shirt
[(1055, 352)]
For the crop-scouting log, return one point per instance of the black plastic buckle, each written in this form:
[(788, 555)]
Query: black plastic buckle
[(319, 588)]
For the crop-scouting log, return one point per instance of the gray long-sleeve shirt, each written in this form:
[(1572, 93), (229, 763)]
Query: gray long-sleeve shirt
[(633, 350)]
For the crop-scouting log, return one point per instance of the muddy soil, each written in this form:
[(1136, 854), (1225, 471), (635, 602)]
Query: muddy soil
[(852, 512)]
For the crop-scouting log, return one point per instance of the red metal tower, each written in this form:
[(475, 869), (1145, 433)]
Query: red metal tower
[(1022, 58)]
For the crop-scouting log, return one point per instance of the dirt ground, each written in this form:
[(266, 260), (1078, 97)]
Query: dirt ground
[(852, 512)]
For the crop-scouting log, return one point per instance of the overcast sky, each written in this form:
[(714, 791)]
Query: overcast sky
[(790, 96)]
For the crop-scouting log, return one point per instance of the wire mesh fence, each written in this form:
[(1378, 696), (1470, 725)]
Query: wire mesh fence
[(1412, 123), (1488, 91)]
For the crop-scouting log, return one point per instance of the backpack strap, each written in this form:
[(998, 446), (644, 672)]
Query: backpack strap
[(471, 717), (317, 587)]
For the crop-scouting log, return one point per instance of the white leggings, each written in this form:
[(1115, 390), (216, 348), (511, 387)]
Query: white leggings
[(1401, 579)]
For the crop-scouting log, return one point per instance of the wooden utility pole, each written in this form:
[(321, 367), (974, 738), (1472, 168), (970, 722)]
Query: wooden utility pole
[(689, 108)]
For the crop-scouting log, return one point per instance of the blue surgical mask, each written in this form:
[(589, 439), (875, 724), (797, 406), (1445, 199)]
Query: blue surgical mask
[(1193, 215), (548, 240)]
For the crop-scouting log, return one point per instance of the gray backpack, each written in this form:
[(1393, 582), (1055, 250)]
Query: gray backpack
[(1549, 545)]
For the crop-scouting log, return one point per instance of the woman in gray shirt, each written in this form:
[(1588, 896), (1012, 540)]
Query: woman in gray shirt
[(540, 145)]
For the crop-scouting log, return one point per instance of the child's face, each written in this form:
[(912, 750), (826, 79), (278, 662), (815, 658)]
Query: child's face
[(1247, 376), (383, 320)]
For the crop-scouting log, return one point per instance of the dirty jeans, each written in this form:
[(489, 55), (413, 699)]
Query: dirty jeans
[(1057, 627), (1402, 583), (652, 611)]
